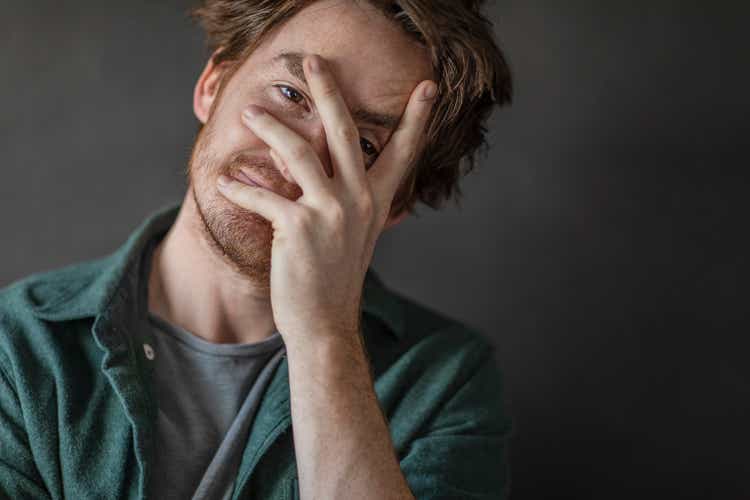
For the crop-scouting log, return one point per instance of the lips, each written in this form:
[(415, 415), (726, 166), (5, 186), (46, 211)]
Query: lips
[(250, 180)]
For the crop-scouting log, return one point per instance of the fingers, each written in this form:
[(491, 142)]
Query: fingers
[(295, 152), (265, 203), (402, 149), (342, 134), (281, 166), (303, 163)]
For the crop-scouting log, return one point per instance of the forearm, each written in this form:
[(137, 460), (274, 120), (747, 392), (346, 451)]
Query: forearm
[(342, 443)]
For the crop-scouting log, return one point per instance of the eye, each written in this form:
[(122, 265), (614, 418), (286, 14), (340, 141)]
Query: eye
[(292, 94), (368, 148)]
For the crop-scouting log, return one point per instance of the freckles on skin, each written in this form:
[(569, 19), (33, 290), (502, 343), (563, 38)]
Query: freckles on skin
[(375, 65), (362, 47)]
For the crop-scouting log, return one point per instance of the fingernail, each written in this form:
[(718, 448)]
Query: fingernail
[(252, 111), (316, 64), (224, 180), (429, 90)]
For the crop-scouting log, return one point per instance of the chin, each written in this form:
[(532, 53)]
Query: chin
[(238, 236)]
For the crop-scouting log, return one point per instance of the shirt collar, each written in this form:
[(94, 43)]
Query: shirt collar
[(87, 288)]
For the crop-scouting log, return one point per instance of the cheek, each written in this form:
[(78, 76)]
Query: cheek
[(230, 135)]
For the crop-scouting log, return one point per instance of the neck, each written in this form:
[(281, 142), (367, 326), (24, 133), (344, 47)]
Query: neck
[(192, 286)]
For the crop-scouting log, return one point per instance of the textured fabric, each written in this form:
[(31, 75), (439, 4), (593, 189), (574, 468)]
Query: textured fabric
[(78, 411), (218, 480), (201, 388)]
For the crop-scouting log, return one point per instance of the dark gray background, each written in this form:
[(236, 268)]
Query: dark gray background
[(601, 244)]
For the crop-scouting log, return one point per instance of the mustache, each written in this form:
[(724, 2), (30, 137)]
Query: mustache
[(260, 167)]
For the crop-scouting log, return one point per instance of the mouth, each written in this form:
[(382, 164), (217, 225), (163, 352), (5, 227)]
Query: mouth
[(250, 179)]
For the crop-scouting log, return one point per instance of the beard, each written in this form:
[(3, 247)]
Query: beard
[(240, 237)]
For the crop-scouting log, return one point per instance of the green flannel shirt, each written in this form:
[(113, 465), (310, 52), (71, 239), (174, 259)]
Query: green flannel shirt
[(77, 408)]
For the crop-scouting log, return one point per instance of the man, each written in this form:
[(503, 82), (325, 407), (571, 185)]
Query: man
[(238, 345)]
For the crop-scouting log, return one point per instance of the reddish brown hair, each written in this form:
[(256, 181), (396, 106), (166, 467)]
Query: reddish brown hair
[(472, 76)]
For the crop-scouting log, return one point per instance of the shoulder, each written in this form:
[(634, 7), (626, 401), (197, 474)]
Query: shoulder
[(443, 387), (439, 357), (34, 309), (424, 330), (413, 323), (449, 420), (449, 349), (61, 291)]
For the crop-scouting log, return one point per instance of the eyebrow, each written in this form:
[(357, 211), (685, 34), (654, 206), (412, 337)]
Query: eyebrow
[(293, 63)]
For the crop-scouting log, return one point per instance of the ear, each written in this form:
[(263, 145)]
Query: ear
[(207, 89), (395, 219)]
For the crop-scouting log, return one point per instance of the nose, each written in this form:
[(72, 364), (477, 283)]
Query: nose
[(314, 133)]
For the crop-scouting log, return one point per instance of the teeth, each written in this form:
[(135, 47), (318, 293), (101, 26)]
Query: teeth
[(240, 176)]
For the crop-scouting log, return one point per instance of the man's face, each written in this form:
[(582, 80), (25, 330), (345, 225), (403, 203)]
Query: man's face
[(376, 66)]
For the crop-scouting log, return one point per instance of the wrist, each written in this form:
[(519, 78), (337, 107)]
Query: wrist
[(334, 354), (324, 344)]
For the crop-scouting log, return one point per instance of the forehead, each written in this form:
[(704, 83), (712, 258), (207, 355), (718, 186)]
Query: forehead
[(373, 60)]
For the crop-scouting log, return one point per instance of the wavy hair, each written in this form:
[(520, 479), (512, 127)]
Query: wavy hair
[(473, 77)]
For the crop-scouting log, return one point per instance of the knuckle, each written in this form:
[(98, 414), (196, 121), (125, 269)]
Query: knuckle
[(328, 89), (299, 218), (299, 152), (336, 212), (366, 206)]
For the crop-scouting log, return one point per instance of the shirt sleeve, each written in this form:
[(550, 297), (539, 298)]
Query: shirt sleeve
[(19, 477), (463, 452)]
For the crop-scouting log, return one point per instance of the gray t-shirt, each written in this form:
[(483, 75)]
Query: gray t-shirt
[(207, 396)]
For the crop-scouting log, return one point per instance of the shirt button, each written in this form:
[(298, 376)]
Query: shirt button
[(149, 351)]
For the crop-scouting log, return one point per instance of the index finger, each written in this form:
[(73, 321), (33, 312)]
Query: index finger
[(403, 147), (342, 134)]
